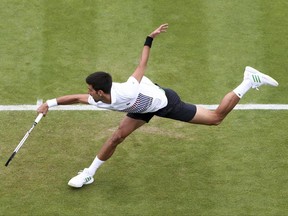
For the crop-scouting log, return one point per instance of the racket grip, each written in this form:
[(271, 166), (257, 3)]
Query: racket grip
[(38, 118)]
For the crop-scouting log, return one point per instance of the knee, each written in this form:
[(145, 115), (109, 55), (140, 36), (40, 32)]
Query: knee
[(207, 117), (217, 120), (117, 138), (216, 123)]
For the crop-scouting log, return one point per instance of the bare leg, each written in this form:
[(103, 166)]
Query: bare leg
[(227, 104), (252, 79), (126, 127), (209, 117)]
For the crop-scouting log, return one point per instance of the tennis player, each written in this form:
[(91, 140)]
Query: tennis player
[(141, 99)]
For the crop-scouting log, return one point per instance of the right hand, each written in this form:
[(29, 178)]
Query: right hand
[(43, 108)]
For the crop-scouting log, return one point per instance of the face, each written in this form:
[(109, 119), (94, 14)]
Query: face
[(95, 94)]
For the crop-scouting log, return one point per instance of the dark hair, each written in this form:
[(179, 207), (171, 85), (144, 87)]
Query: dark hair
[(100, 81)]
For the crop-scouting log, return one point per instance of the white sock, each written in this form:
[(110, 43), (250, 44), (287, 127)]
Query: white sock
[(95, 165), (242, 88)]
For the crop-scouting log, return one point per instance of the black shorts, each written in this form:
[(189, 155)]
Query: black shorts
[(175, 109)]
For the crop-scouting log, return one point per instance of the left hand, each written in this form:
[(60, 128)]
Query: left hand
[(160, 29)]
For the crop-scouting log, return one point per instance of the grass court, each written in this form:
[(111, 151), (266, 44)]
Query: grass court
[(48, 47)]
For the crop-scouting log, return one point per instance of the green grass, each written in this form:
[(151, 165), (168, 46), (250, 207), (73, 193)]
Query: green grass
[(164, 168), (47, 48)]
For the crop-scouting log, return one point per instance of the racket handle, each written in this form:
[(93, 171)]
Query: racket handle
[(38, 118)]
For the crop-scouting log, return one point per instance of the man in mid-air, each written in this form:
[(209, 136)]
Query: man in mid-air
[(141, 99)]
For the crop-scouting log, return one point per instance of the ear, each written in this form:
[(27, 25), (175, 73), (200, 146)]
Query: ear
[(100, 93)]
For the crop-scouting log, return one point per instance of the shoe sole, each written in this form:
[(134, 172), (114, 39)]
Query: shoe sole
[(267, 79), (79, 186)]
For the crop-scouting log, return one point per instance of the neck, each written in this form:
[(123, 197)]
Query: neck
[(106, 98)]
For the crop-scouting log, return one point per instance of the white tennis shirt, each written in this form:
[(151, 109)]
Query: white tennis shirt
[(134, 97)]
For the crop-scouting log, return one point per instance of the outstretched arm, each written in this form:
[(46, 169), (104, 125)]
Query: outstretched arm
[(64, 100), (139, 72)]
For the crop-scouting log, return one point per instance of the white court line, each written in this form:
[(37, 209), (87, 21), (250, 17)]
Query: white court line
[(90, 107), (26, 107)]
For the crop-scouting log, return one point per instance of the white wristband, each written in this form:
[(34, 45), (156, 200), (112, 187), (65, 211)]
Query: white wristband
[(52, 102)]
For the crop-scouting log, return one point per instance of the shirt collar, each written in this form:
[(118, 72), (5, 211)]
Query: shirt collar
[(113, 94)]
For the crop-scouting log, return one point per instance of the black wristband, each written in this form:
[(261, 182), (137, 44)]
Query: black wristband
[(148, 41)]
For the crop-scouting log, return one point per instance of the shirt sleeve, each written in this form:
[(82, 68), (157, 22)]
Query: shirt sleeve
[(131, 80), (130, 88), (91, 100)]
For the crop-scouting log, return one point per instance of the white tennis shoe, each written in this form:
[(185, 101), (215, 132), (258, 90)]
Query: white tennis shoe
[(83, 178), (257, 78)]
